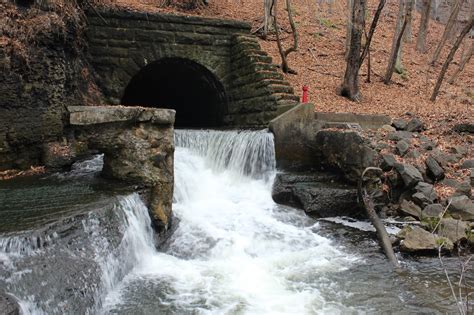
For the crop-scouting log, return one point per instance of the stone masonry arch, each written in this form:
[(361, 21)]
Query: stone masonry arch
[(197, 95), (123, 43)]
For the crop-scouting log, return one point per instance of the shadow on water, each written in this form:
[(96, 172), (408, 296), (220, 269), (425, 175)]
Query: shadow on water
[(32, 202)]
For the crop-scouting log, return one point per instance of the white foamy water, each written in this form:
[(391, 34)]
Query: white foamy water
[(234, 252), (100, 260)]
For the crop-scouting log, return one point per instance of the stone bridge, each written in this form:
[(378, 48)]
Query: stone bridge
[(212, 72)]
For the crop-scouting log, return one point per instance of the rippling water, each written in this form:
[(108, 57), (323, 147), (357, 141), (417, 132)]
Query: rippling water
[(234, 252)]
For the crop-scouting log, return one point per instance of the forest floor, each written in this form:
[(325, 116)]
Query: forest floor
[(320, 61)]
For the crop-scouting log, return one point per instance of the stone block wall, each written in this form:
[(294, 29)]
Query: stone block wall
[(138, 147), (258, 91), (122, 43)]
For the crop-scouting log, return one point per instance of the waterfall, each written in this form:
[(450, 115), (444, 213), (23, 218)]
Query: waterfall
[(248, 153), (234, 249), (84, 257)]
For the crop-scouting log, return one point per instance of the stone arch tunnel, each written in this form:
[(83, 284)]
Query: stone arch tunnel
[(199, 98), (212, 71)]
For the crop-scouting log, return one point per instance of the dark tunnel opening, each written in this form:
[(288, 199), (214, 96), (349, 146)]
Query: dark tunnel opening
[(193, 91)]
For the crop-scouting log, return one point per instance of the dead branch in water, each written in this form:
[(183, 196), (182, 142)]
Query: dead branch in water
[(367, 200)]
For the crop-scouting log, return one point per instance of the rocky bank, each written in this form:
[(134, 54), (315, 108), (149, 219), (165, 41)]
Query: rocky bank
[(425, 183)]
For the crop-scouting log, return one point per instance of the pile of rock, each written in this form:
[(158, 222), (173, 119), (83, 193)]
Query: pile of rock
[(425, 183), (416, 169)]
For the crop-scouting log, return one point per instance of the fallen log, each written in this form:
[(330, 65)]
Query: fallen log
[(368, 203)]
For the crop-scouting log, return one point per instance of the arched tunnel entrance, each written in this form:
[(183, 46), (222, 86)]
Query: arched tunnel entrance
[(191, 89)]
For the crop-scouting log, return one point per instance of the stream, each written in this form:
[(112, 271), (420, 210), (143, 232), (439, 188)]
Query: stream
[(74, 243)]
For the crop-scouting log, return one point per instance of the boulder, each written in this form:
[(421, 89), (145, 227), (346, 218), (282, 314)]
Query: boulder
[(432, 211), (414, 125), (411, 209), (387, 128), (433, 169), (399, 124), (471, 177), (347, 151), (427, 190), (445, 159), (464, 127), (450, 182), (422, 169), (462, 208), (426, 143), (454, 230), (400, 135), (9, 305), (413, 154), (467, 164), (387, 162), (418, 240), (409, 174), (464, 189), (319, 194), (402, 147), (458, 149), (420, 199)]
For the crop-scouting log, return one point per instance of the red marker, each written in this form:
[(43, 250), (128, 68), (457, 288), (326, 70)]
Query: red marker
[(305, 94)]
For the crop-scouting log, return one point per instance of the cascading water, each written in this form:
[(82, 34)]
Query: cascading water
[(234, 251), (69, 269)]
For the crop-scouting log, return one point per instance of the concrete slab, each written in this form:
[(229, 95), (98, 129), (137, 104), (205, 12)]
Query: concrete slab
[(92, 115), (366, 121), (293, 131)]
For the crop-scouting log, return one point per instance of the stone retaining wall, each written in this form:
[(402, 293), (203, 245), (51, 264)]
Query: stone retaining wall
[(138, 147)]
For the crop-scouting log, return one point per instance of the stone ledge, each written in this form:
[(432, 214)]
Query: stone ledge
[(93, 115), (364, 120)]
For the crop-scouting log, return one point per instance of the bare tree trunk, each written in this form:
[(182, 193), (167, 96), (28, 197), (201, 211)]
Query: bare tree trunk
[(293, 29), (396, 51), (368, 203), (450, 57), (408, 6), (350, 85), (350, 5), (464, 61), (284, 53), (372, 31), (268, 19), (277, 31), (425, 20), (368, 65), (398, 28), (408, 36), (447, 30)]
